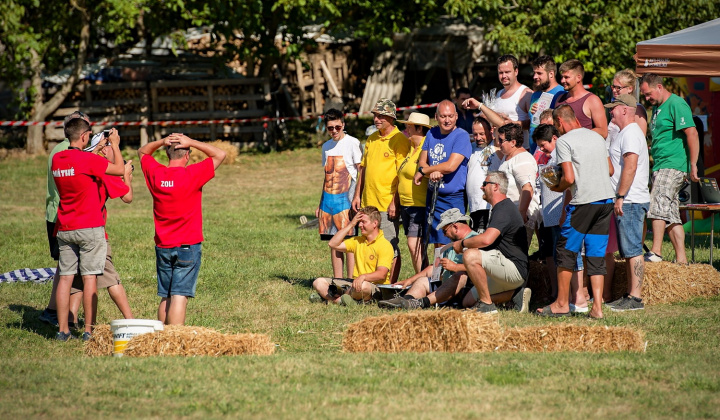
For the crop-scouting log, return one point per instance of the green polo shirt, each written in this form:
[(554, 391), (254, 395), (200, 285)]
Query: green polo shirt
[(669, 144)]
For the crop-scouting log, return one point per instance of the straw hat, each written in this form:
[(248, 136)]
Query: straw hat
[(417, 118)]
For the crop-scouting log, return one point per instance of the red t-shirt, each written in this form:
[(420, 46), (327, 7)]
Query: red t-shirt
[(78, 176), (177, 200), (112, 187)]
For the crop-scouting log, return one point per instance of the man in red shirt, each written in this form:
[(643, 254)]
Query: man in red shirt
[(80, 223), (177, 210)]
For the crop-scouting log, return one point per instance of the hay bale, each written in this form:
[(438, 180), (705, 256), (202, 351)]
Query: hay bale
[(182, 340), (539, 282), (567, 337), (666, 282), (423, 331), (231, 152), (101, 343)]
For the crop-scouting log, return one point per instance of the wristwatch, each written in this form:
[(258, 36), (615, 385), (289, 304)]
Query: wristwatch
[(420, 169), (618, 196)]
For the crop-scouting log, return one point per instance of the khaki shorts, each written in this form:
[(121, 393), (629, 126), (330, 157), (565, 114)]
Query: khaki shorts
[(108, 278), (82, 251), (502, 274)]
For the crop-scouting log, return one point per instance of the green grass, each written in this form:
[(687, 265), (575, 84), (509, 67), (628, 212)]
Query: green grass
[(256, 274)]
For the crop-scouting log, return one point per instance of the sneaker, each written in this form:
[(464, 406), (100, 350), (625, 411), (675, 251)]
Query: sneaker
[(485, 308), (521, 300), (315, 298), (61, 336), (86, 336), (49, 318), (578, 309), (411, 304), (347, 300), (652, 257), (617, 302), (394, 303), (628, 303)]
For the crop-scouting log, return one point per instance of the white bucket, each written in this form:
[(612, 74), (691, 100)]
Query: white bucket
[(125, 329)]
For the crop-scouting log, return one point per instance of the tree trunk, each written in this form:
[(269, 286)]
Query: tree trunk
[(40, 109)]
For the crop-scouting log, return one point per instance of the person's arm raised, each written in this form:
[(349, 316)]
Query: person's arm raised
[(116, 168), (216, 154)]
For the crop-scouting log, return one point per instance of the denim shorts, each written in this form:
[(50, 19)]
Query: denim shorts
[(177, 270), (630, 229)]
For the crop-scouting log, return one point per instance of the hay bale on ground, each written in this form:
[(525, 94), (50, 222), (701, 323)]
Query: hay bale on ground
[(567, 337), (666, 282), (538, 281), (182, 340), (101, 343), (423, 331), (231, 152)]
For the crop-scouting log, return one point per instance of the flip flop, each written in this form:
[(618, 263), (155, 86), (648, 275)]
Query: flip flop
[(547, 312)]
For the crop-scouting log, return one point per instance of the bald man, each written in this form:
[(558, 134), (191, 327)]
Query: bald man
[(444, 160)]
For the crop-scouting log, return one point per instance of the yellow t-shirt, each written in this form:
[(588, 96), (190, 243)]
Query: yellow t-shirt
[(381, 160), (412, 195), (371, 255)]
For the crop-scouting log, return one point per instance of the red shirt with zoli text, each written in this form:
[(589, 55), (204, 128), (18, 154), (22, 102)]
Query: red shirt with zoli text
[(177, 200), (78, 176)]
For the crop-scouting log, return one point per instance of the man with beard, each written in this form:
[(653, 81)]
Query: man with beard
[(513, 101), (546, 88), (588, 108)]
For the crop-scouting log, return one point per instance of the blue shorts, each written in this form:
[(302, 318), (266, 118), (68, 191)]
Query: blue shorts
[(630, 229), (177, 270), (588, 225), (414, 220), (443, 203), (334, 203)]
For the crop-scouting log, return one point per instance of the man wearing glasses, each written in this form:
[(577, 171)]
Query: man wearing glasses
[(496, 261), (341, 158), (80, 223)]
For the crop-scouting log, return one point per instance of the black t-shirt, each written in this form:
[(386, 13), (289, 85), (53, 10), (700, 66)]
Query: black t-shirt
[(512, 241)]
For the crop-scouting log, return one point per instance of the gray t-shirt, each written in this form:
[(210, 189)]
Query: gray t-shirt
[(589, 156)]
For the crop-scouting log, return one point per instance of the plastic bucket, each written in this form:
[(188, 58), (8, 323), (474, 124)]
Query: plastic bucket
[(125, 329)]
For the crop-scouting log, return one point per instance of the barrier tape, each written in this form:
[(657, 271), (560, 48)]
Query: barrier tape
[(194, 122)]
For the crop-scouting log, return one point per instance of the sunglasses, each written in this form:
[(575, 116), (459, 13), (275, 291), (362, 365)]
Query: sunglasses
[(485, 183), (334, 128), (615, 87)]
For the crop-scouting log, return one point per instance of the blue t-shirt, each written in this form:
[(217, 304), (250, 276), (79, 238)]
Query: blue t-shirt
[(439, 147), (556, 91)]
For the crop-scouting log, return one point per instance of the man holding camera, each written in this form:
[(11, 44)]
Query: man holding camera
[(176, 190), (80, 223)]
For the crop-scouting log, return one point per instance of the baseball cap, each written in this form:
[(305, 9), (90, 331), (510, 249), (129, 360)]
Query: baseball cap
[(385, 107), (94, 141), (624, 99)]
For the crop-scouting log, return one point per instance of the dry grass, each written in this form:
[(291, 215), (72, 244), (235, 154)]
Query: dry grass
[(231, 152), (469, 331), (181, 340)]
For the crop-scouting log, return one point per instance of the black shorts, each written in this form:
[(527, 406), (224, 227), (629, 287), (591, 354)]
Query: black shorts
[(52, 241)]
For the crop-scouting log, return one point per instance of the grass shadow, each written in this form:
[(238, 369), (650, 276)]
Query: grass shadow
[(302, 282), (31, 321)]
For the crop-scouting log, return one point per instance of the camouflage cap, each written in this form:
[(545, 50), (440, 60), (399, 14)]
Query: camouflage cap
[(385, 107)]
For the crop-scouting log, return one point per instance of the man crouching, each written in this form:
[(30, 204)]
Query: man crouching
[(373, 259)]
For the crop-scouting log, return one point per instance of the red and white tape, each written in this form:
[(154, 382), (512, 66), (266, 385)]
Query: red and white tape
[(194, 122)]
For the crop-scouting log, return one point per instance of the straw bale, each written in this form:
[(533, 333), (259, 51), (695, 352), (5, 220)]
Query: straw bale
[(538, 282), (231, 152), (182, 340), (568, 337), (666, 282), (101, 343), (423, 331)]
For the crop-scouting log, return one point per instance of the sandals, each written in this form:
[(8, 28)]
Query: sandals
[(547, 312)]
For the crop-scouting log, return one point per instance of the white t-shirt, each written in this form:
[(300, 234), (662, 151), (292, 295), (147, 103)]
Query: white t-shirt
[(631, 140), (349, 148), (551, 201), (520, 170), (477, 172), (511, 108), (586, 150)]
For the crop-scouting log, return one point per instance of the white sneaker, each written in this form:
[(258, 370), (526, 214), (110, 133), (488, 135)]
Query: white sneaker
[(578, 309), (652, 257)]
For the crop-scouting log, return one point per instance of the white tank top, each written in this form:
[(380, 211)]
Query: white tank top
[(511, 108)]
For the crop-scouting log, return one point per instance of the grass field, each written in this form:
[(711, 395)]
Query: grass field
[(256, 274)]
